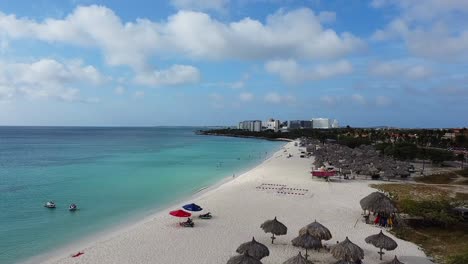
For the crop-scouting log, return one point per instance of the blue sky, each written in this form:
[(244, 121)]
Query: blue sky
[(216, 62)]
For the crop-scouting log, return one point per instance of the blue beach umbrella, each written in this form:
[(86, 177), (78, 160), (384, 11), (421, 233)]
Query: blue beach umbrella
[(192, 207)]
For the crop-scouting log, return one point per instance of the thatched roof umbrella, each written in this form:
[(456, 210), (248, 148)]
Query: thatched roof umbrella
[(243, 259), (274, 227), (347, 250), (254, 249), (345, 262), (316, 230), (378, 202), (299, 259), (307, 241), (394, 261), (381, 241)]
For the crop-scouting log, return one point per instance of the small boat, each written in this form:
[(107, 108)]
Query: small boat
[(72, 207), (49, 204)]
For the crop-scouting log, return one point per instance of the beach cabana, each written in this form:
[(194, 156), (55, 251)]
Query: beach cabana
[(316, 230), (298, 259), (394, 261), (348, 251), (306, 241), (381, 241), (274, 227), (243, 259), (255, 249)]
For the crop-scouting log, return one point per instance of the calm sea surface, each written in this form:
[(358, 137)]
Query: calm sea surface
[(112, 174)]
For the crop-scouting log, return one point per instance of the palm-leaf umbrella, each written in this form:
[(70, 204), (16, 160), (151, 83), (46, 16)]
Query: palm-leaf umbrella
[(381, 241), (317, 230), (254, 249), (394, 261), (299, 259), (345, 262), (347, 250), (378, 202), (243, 259), (274, 227), (307, 241)]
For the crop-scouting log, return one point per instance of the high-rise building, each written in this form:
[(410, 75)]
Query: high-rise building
[(272, 124), (299, 124), (251, 125), (321, 123)]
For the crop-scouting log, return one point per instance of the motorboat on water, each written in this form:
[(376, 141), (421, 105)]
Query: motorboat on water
[(50, 204), (72, 207)]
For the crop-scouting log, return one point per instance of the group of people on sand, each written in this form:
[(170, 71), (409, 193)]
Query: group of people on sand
[(384, 220)]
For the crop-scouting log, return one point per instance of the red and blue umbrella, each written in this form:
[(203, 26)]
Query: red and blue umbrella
[(192, 207), (180, 213)]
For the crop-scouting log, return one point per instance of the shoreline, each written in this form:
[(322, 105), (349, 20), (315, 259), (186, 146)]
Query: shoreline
[(239, 207), (132, 222), (241, 136)]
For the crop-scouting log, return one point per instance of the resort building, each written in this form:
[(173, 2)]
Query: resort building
[(299, 124), (321, 123), (251, 125), (272, 124)]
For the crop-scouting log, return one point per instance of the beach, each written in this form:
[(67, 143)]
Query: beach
[(239, 207)]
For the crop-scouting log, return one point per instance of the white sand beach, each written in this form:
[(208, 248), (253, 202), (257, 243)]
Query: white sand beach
[(239, 207)]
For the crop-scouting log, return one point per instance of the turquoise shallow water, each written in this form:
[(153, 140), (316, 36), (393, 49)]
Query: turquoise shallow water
[(113, 174)]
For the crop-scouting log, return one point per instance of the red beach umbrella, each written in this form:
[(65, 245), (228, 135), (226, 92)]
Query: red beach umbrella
[(180, 213)]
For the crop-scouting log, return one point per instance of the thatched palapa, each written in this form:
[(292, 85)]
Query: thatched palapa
[(244, 259), (299, 259), (345, 262), (378, 202), (381, 241), (274, 227), (394, 261), (316, 230), (255, 249), (307, 241), (347, 250)]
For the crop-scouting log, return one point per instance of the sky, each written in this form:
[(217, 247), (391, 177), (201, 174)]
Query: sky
[(217, 62)]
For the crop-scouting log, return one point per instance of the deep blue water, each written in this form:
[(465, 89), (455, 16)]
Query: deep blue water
[(113, 174)]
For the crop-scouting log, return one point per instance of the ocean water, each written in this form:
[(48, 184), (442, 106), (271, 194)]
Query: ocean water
[(112, 174)]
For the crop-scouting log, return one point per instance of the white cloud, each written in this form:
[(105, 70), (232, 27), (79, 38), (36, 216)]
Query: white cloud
[(216, 100), (383, 101), (430, 9), (276, 98), (294, 34), (175, 75), (6, 92), (327, 17), (246, 97), (233, 85), (400, 69), (48, 78), (435, 29), (139, 94), (359, 99), (119, 90), (329, 100), (290, 71), (216, 5)]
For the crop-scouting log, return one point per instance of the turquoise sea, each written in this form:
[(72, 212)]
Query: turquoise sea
[(112, 174)]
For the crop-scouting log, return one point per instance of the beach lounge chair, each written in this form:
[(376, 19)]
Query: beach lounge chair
[(205, 216)]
